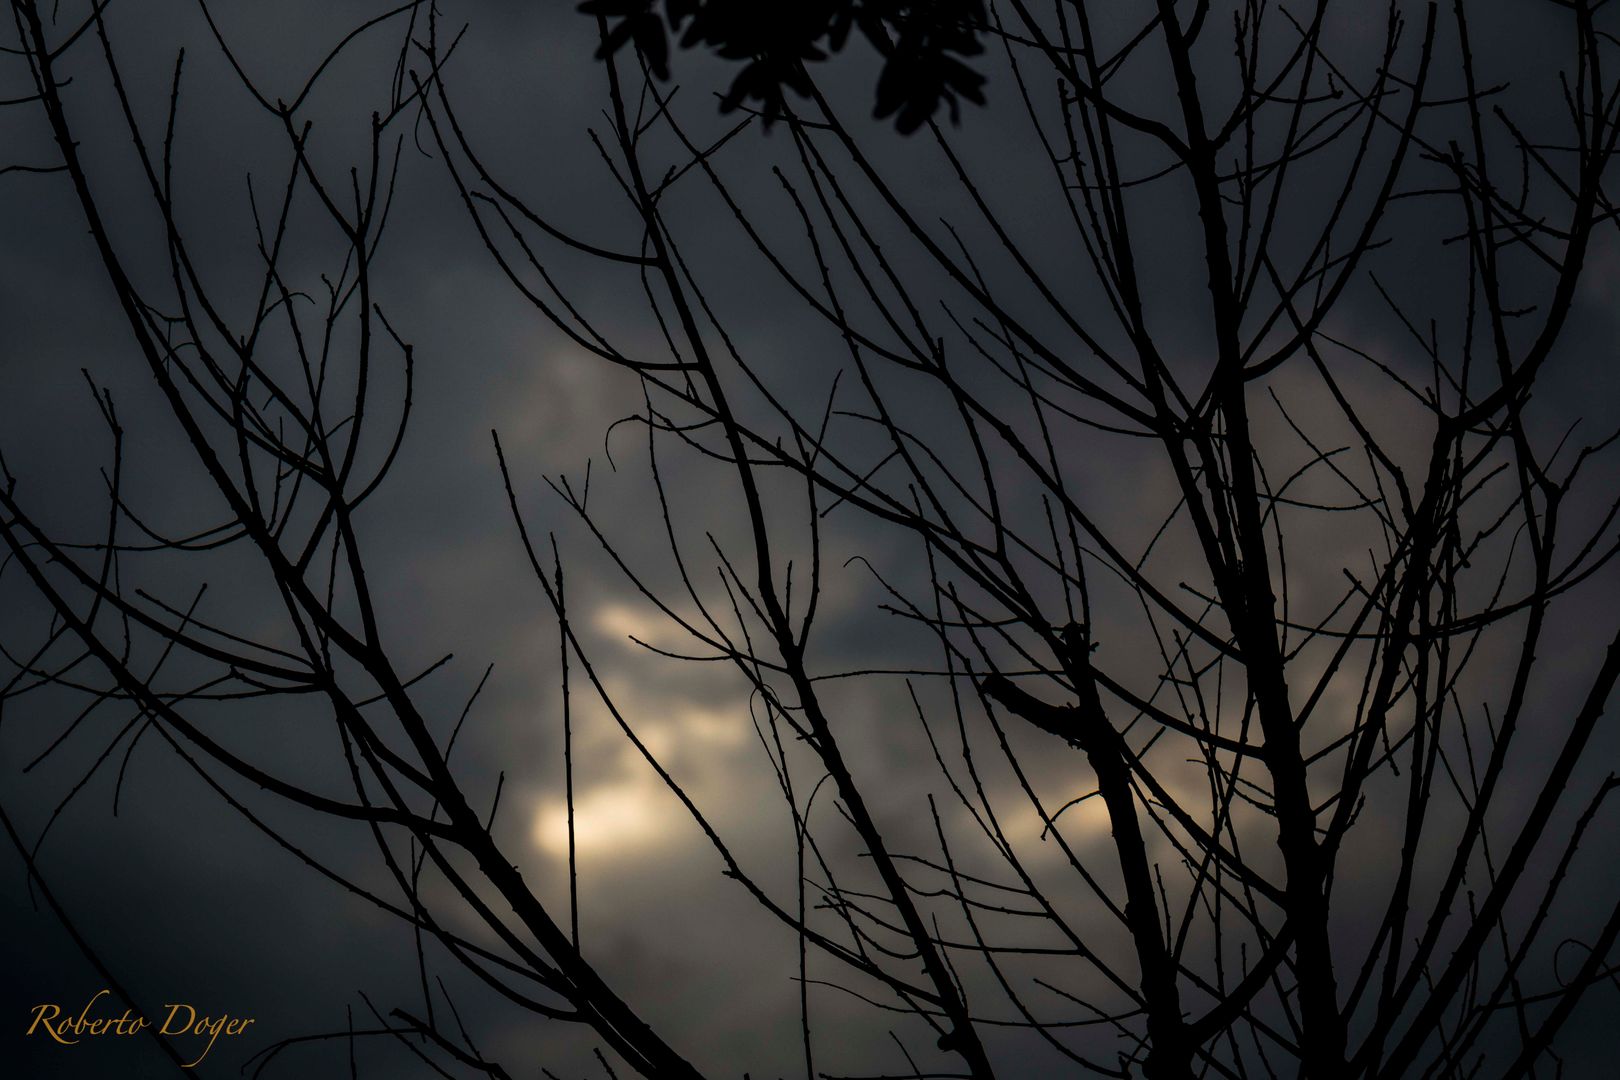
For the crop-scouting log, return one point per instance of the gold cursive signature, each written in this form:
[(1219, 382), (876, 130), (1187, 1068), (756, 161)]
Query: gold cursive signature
[(182, 1019)]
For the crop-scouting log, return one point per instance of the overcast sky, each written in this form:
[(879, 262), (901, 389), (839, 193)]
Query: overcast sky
[(187, 902)]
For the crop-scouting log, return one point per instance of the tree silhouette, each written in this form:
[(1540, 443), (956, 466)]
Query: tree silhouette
[(923, 46), (1204, 477)]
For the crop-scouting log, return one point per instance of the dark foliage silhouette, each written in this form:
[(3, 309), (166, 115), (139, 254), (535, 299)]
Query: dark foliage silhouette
[(925, 47)]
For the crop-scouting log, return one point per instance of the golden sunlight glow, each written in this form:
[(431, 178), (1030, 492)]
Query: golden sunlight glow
[(625, 808), (614, 818), (625, 621)]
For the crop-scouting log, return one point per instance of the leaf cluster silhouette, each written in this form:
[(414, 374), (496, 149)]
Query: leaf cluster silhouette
[(924, 47)]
